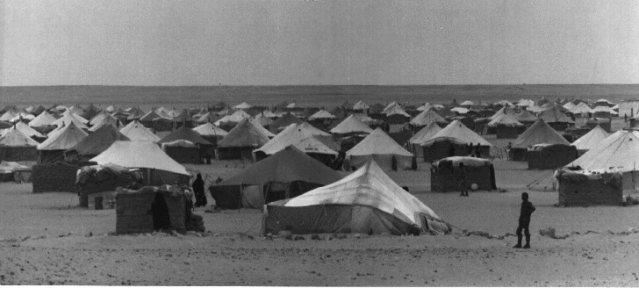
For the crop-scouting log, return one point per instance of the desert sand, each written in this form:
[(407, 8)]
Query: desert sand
[(46, 239)]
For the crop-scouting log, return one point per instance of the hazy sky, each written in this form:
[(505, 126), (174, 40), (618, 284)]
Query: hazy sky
[(132, 42)]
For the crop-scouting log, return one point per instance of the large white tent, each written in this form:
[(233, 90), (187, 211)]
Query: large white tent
[(366, 201), (618, 152), (139, 154)]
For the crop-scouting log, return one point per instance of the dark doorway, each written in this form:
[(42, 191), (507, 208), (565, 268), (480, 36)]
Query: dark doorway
[(161, 219)]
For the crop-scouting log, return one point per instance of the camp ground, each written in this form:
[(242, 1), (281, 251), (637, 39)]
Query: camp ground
[(360, 174)]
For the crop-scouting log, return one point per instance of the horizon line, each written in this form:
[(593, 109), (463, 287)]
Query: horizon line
[(325, 85)]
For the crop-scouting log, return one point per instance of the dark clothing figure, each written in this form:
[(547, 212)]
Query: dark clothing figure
[(527, 209), (451, 151), (198, 190), (463, 184), (477, 151)]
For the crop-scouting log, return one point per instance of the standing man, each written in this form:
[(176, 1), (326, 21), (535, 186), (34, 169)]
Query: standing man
[(198, 190), (527, 209)]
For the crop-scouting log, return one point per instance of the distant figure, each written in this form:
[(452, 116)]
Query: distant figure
[(527, 209), (463, 185), (198, 190), (478, 151)]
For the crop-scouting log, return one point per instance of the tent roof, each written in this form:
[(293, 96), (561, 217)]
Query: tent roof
[(262, 119), (13, 137), (299, 137), (504, 110), (312, 129), (581, 108), (208, 129), (137, 132), (108, 120), (591, 139), (425, 133), (525, 116), (7, 116), (504, 119), (245, 134), (426, 117), (467, 103), (378, 143), (242, 105), (321, 114), (368, 186), (70, 118), (63, 139), (184, 133), (284, 121), (394, 110), (360, 105), (351, 125), (458, 132), (539, 133), (139, 154), (619, 151), (287, 165), (98, 141), (135, 113)]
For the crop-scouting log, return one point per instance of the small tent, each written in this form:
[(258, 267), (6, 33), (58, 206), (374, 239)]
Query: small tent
[(16, 146), (285, 174), (211, 132), (506, 126), (52, 149), (367, 202), (135, 131), (556, 119), (245, 137), (381, 147), (193, 153), (351, 125), (454, 140), (422, 136), (538, 133), (302, 139), (426, 117), (158, 167)]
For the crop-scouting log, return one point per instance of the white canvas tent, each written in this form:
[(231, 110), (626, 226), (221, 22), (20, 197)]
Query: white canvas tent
[(139, 154), (618, 152), (381, 147), (367, 201), (426, 117), (137, 132), (591, 139), (351, 125)]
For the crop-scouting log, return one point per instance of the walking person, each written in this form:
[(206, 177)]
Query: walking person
[(463, 185), (527, 209), (198, 190)]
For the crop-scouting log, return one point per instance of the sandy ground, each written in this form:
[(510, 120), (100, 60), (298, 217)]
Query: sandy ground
[(46, 239)]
